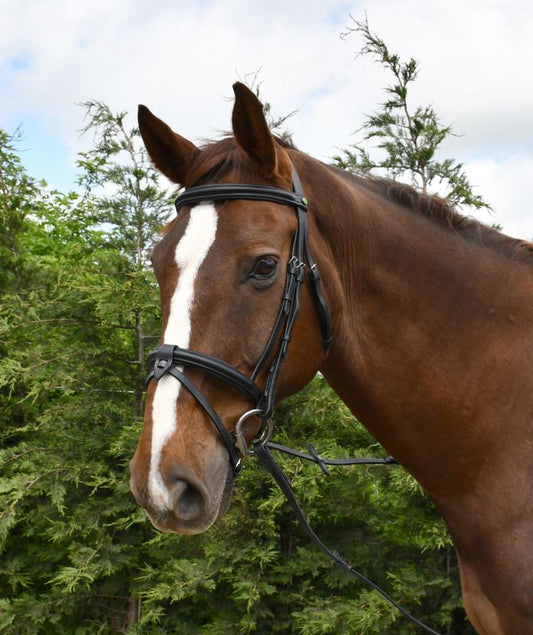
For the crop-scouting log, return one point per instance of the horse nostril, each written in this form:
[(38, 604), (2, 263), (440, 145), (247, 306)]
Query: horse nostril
[(187, 497), (187, 500)]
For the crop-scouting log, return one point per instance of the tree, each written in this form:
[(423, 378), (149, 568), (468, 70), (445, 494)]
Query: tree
[(72, 331), (408, 139), (129, 201), (16, 194)]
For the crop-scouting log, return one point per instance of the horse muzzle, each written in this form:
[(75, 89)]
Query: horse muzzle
[(178, 500)]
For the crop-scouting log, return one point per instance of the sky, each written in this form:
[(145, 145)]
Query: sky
[(181, 57)]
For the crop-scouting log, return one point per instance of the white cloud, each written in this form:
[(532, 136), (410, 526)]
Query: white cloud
[(497, 180), (181, 57)]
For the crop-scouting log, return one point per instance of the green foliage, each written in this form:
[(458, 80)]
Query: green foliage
[(407, 141), (17, 194), (71, 335), (129, 198), (77, 556)]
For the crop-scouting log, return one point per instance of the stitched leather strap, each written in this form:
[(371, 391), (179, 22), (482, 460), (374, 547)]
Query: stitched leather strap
[(228, 440), (237, 191), (168, 355)]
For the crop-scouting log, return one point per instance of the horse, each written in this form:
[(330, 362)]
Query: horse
[(419, 318)]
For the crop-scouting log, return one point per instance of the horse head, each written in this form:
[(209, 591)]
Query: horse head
[(224, 268)]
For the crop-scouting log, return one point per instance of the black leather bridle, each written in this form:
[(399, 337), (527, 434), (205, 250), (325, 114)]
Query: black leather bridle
[(172, 359)]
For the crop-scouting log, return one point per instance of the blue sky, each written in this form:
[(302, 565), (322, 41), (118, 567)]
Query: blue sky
[(43, 153), (181, 57)]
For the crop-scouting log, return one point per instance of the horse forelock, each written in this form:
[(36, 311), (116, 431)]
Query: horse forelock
[(225, 158)]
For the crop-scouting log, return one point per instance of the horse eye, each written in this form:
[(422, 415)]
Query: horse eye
[(264, 267)]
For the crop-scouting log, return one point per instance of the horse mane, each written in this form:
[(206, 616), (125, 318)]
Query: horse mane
[(220, 158), (442, 212)]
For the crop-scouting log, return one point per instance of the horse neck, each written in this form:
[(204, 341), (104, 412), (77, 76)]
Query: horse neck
[(420, 318)]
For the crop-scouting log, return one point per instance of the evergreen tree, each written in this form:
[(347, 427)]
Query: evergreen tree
[(408, 139), (17, 192), (127, 199), (72, 330)]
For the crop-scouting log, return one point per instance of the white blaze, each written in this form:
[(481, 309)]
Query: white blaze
[(189, 255)]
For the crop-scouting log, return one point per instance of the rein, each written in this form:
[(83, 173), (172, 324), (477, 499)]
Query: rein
[(262, 451), (171, 359)]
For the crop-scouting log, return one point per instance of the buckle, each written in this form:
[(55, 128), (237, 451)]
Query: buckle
[(164, 358)]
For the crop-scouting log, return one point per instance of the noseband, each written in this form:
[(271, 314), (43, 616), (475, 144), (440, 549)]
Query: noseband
[(170, 359)]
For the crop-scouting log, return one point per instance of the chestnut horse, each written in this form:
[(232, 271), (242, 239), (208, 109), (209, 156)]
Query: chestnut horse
[(431, 317)]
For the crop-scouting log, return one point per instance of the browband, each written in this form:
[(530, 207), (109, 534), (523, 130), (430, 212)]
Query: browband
[(237, 191)]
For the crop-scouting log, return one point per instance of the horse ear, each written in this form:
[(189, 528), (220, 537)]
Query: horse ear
[(251, 129), (171, 153)]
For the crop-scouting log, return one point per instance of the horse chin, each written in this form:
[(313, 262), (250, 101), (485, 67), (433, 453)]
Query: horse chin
[(169, 521)]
